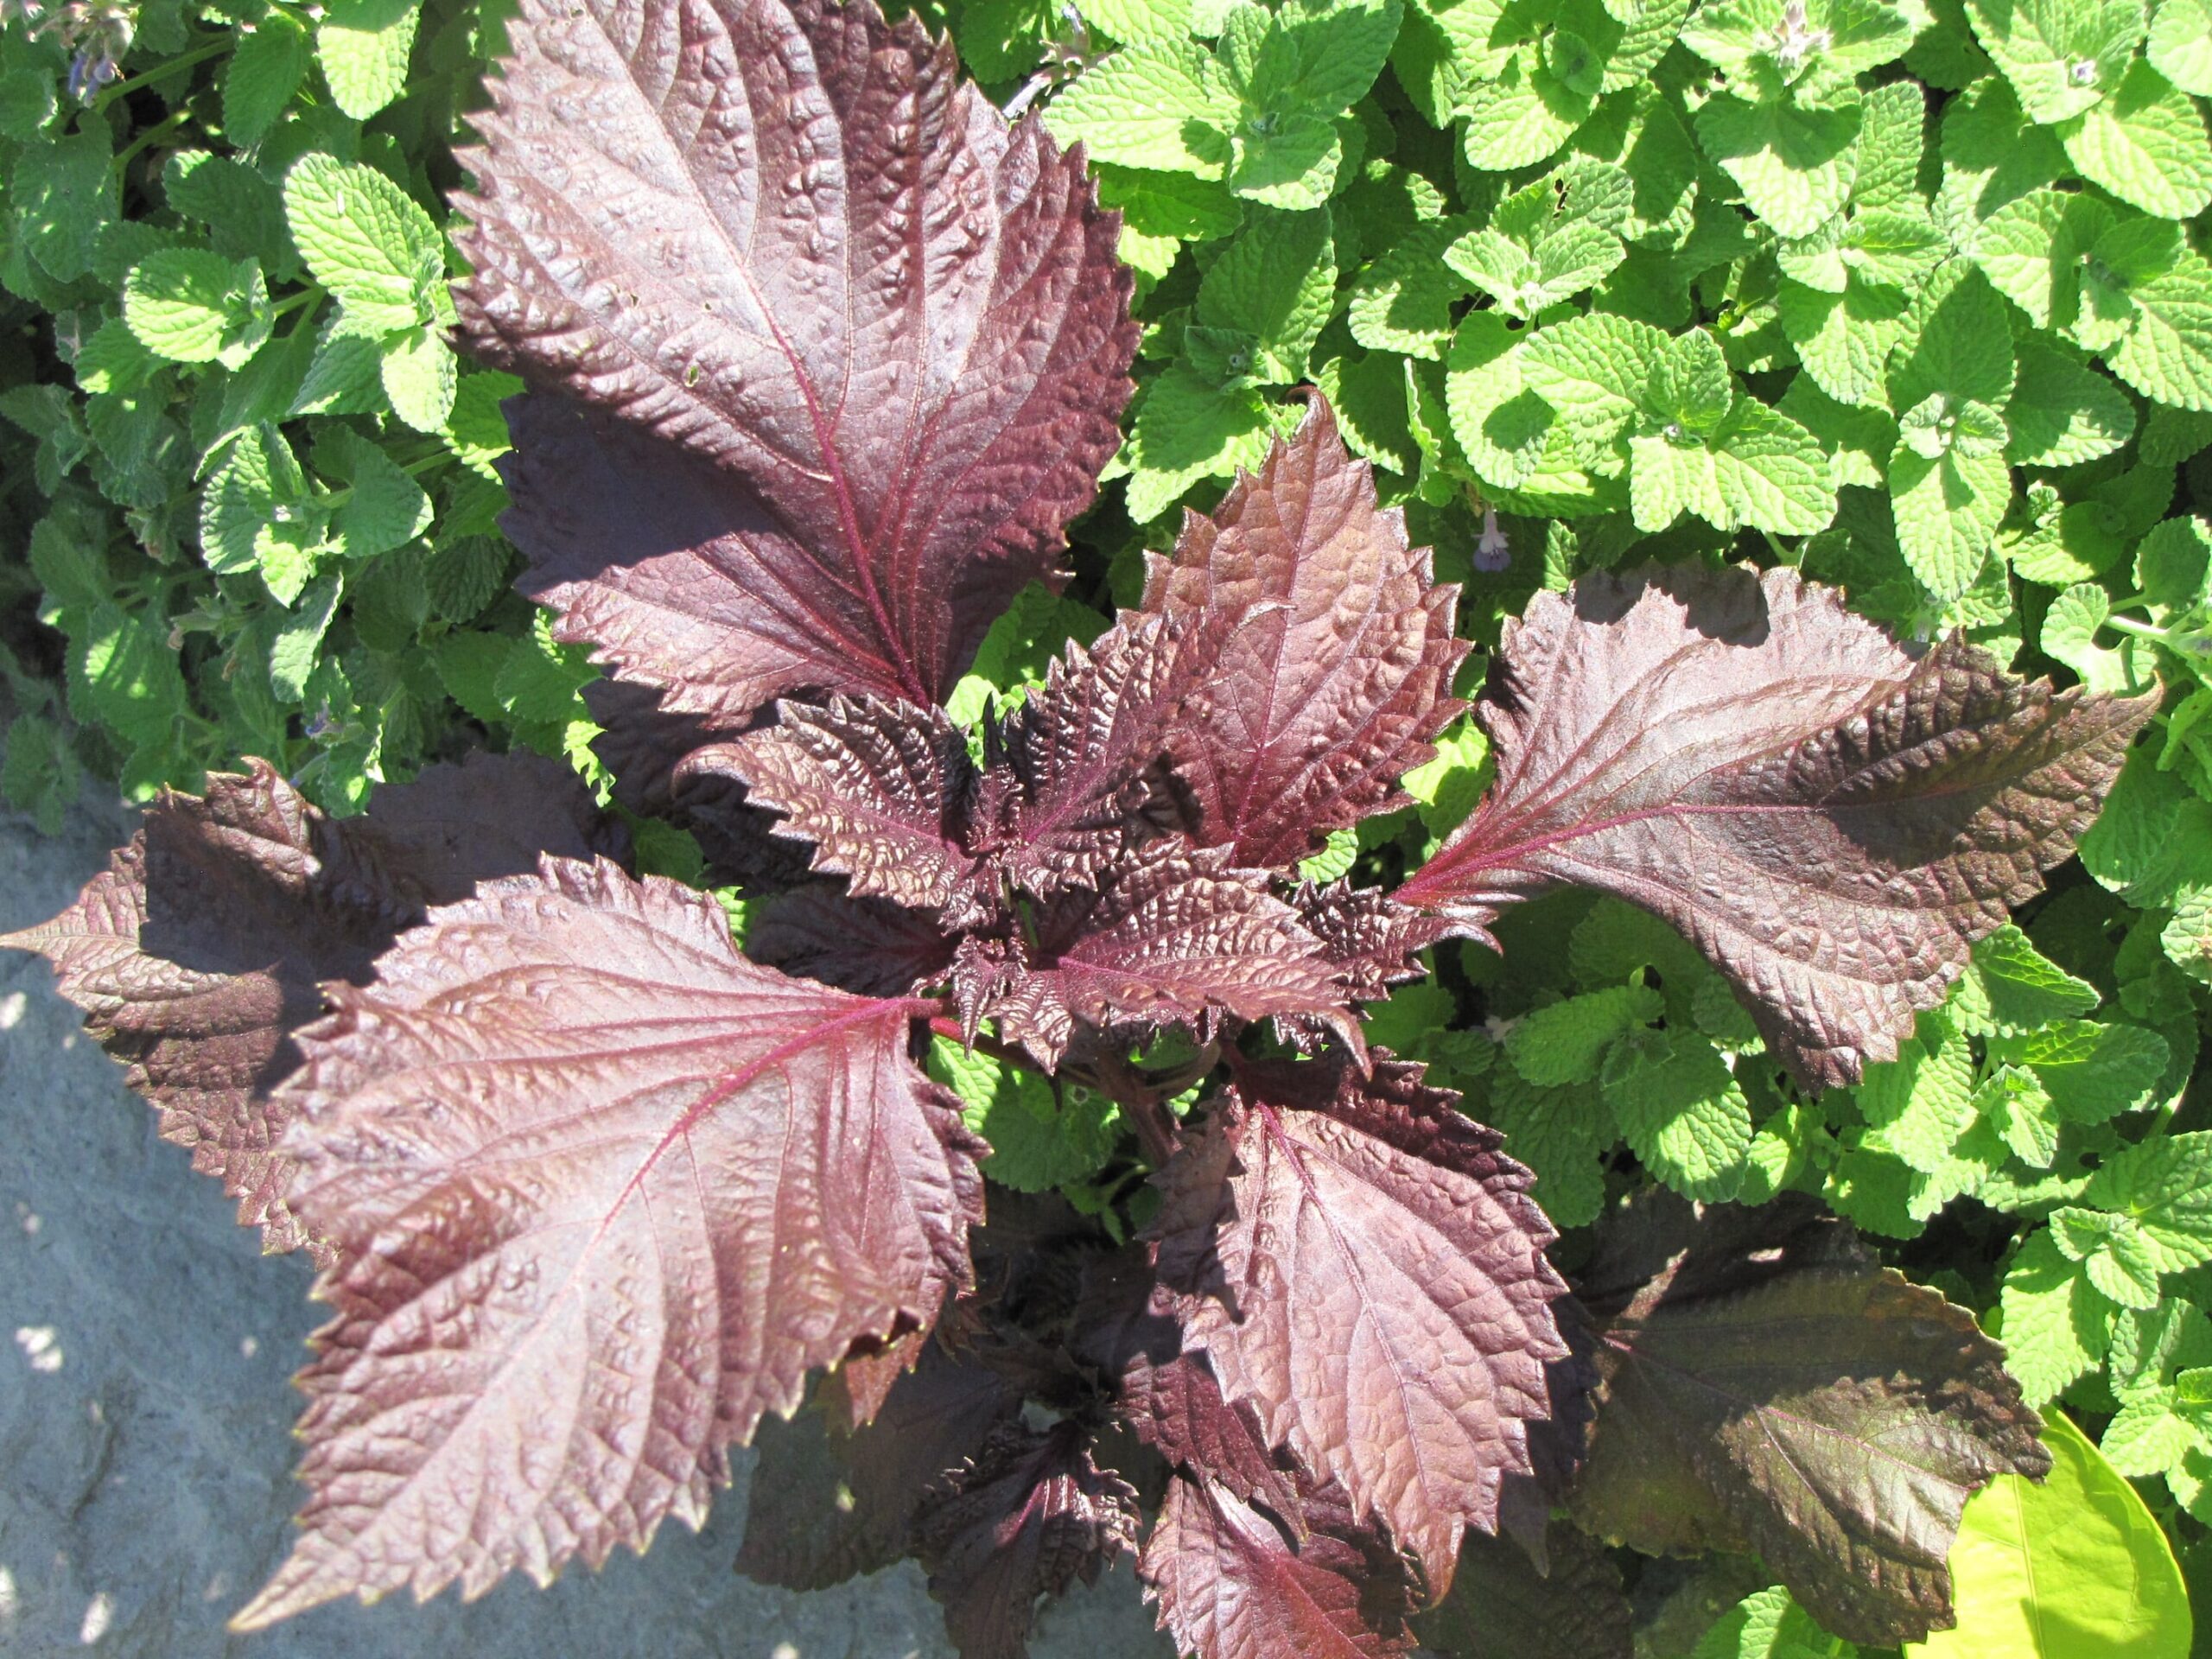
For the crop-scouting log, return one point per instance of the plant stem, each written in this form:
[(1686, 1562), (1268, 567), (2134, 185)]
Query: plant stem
[(168, 123), (161, 71)]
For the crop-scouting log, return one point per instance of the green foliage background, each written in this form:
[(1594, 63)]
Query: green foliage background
[(1914, 296)]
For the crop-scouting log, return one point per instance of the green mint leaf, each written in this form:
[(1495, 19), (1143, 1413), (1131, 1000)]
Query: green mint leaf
[(1567, 1041), (421, 378), (1038, 1141), (243, 211), (1557, 1135), (265, 69), (1594, 370), (540, 678), (1132, 21), (1402, 302), (2070, 633), (2180, 47), (295, 653), (1844, 341), (384, 507), (1503, 427), (2165, 1184), (1918, 1105), (1891, 142), (124, 673), (1948, 509), (2060, 56), (363, 47), (2146, 144), (2063, 412), (2057, 1324), (1186, 430), (1368, 391), (1275, 283), (63, 191), (1527, 112), (1447, 787), (2167, 354), (1760, 468), (366, 240), (2091, 1072), (1770, 1626), (1018, 648), (1682, 1112), (1154, 104), (1334, 859), (2010, 988), (1794, 166), (191, 305), (2187, 937), (2112, 1251), (1289, 160)]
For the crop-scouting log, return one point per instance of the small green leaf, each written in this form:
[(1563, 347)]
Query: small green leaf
[(1567, 1041), (2146, 145), (1041, 1136), (2061, 56), (1152, 105), (363, 46), (421, 376), (1770, 1626), (2181, 44), (194, 306), (265, 69), (294, 653), (2057, 1324), (366, 240), (1795, 165), (1683, 1111)]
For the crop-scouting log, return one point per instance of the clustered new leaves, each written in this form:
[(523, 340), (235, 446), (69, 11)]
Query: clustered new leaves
[(798, 462)]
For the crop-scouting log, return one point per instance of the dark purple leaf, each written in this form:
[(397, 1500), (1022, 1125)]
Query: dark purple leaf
[(1368, 937), (855, 349), (882, 789), (1769, 1386), (1178, 938), (1832, 820), (201, 949), (1362, 1266), (1321, 646), (1231, 1583), (1501, 1607), (1073, 767), (1128, 1329), (1032, 1514), (866, 946), (603, 1192), (829, 1501)]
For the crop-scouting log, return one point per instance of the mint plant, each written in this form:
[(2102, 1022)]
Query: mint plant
[(824, 356)]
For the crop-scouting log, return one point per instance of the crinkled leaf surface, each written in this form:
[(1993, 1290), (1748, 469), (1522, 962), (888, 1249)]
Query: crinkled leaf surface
[(602, 1193), (1321, 646), (1768, 1387), (1178, 938), (1362, 1266), (880, 788), (1030, 1515), (1830, 820), (852, 349), (868, 945), (1071, 766), (198, 952), (1232, 1582)]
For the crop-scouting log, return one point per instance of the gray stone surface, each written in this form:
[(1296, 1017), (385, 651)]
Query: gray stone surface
[(145, 1413)]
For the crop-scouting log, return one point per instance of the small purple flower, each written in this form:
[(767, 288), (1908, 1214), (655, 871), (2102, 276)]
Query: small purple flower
[(1493, 552)]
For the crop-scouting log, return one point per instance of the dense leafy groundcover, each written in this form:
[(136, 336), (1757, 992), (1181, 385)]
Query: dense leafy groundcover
[(1076, 1012)]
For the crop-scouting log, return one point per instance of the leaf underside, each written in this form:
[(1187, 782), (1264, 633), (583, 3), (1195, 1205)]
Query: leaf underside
[(1832, 821), (200, 950), (602, 1193)]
